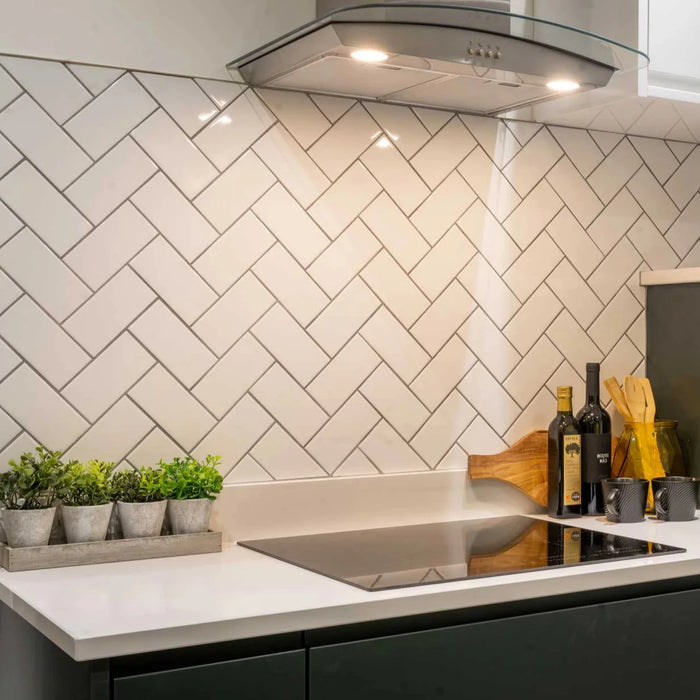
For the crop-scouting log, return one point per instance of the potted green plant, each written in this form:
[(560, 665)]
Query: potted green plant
[(141, 501), (191, 487), (86, 496), (28, 491)]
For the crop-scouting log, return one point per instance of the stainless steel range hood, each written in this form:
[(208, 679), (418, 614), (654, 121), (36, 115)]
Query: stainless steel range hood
[(477, 57)]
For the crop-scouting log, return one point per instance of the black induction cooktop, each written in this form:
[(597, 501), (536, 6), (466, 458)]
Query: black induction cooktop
[(413, 555)]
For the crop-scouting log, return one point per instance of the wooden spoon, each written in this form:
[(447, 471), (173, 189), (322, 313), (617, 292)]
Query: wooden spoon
[(650, 413), (634, 393), (618, 398)]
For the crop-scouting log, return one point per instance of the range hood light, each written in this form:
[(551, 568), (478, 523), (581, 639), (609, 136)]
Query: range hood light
[(369, 55), (563, 85)]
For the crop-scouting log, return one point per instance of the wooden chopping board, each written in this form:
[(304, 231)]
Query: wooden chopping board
[(524, 465)]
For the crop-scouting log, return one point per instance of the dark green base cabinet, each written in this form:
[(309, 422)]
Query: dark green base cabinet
[(640, 641), (268, 677)]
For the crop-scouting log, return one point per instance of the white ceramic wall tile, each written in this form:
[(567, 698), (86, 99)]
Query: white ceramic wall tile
[(297, 111), (445, 315), (42, 207), (489, 237), (182, 98), (395, 231), (167, 402), (289, 404), (443, 153), (176, 155), (290, 283), (573, 189), (173, 344), (289, 343), (235, 129), (489, 345), (395, 345), (395, 288), (343, 375), (42, 275), (343, 143), (108, 312), (173, 215), (348, 196), (95, 78), (346, 429), (233, 375), (291, 225), (280, 456), (248, 177), (40, 410), (108, 377), (533, 214), (290, 164), (43, 142), (41, 342), (235, 434), (111, 180), (533, 266), (443, 207), (112, 436), (110, 246), (443, 428), (111, 116), (390, 452), (342, 257), (234, 252), (344, 316), (174, 280), (235, 312), (570, 288), (388, 394)]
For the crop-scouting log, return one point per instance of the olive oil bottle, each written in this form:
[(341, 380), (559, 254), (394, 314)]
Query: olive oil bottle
[(564, 459)]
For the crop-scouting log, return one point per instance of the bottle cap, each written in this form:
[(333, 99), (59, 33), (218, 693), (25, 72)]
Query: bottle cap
[(593, 367), (564, 392)]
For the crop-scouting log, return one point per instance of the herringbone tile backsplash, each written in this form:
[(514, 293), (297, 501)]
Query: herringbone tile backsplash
[(310, 286)]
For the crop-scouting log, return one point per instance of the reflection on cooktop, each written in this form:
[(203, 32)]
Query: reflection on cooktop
[(413, 555)]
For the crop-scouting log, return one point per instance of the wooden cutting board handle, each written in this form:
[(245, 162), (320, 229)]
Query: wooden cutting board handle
[(524, 465)]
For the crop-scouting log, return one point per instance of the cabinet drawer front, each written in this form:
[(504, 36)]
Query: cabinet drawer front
[(635, 648), (271, 677)]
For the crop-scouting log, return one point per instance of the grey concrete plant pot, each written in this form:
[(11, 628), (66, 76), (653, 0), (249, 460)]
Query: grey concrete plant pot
[(28, 528), (86, 523), (141, 519), (188, 517)]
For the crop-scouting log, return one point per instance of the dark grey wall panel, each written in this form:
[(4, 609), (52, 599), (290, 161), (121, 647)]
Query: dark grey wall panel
[(673, 361)]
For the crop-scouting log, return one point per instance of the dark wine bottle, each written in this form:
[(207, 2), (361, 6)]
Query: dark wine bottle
[(596, 444), (564, 459)]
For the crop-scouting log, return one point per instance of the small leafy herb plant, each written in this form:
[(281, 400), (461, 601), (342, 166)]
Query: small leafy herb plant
[(145, 485), (187, 479), (34, 482), (88, 483)]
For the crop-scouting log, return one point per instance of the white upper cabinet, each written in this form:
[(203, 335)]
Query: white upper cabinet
[(674, 49)]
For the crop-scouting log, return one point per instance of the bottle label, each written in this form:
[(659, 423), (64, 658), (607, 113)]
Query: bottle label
[(572, 469), (572, 545), (595, 459)]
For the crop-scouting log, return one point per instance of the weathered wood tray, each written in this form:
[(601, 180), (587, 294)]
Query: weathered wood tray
[(57, 555)]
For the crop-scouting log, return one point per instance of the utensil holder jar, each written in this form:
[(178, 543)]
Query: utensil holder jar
[(648, 451)]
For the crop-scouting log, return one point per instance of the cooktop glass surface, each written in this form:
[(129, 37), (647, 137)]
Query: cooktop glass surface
[(414, 555)]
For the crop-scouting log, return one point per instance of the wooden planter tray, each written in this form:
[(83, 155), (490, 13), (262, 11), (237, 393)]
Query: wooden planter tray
[(57, 555)]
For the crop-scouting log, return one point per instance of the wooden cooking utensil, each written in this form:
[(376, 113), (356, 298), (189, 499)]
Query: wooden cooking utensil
[(634, 393), (650, 413), (611, 384)]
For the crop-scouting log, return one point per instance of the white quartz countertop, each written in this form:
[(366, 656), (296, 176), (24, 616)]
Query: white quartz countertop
[(113, 609)]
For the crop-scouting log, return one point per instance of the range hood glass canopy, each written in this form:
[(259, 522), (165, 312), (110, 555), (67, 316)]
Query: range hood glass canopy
[(457, 57)]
